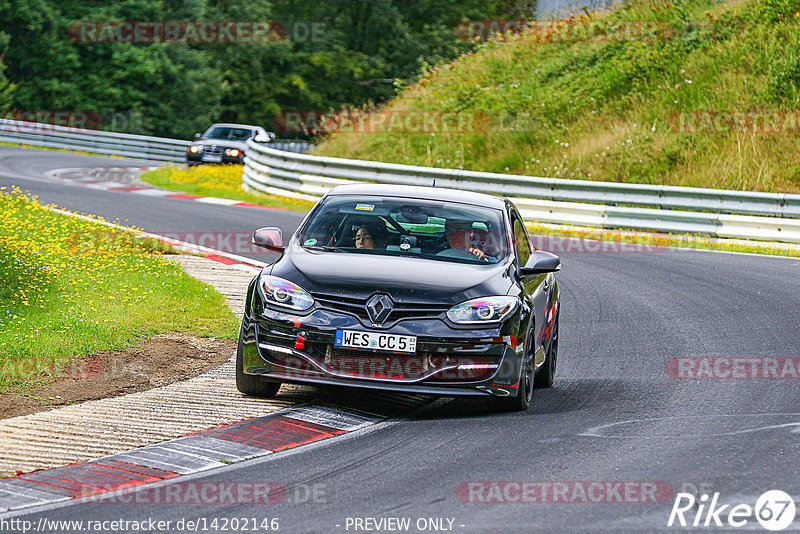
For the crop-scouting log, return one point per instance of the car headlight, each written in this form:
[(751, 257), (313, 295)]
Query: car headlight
[(482, 310), (232, 152), (194, 149), (284, 293)]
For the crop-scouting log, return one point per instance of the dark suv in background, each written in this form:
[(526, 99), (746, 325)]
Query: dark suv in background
[(225, 143)]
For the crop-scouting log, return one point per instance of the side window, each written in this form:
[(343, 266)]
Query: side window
[(521, 239)]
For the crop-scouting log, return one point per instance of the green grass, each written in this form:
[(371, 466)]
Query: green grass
[(70, 288), (221, 181), (599, 108)]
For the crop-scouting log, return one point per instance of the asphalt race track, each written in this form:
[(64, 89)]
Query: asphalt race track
[(618, 424)]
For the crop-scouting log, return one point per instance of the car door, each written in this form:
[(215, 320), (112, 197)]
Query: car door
[(535, 286)]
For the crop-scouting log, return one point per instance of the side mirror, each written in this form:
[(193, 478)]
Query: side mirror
[(541, 262), (197, 136), (269, 238), (264, 138)]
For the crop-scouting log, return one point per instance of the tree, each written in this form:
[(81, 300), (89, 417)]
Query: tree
[(334, 54), (6, 87)]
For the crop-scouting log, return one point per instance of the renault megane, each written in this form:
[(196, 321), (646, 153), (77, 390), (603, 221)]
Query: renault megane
[(404, 288)]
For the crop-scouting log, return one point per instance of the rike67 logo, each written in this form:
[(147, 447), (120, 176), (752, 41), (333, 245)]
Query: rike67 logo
[(774, 510)]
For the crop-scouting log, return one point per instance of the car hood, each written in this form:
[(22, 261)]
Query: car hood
[(404, 279), (223, 143)]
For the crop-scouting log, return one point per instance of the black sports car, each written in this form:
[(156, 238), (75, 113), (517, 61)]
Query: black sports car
[(414, 289)]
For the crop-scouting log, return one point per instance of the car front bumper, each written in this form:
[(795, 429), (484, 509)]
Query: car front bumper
[(448, 361), (195, 158)]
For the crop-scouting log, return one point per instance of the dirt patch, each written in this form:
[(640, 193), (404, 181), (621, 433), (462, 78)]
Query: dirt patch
[(155, 361)]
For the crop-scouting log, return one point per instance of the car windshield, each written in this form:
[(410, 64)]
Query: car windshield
[(229, 133), (388, 226)]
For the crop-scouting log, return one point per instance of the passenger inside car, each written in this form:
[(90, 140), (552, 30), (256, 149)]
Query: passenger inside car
[(365, 234), (364, 238)]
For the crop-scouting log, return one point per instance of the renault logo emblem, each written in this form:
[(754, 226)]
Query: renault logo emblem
[(379, 307)]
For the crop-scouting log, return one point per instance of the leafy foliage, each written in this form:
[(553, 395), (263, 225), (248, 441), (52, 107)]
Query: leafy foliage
[(6, 87), (176, 89), (780, 10)]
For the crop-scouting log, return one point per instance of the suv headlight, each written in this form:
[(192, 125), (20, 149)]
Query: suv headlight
[(232, 152), (284, 293), (482, 310)]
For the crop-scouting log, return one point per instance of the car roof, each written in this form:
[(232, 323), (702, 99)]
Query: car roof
[(231, 125), (422, 192)]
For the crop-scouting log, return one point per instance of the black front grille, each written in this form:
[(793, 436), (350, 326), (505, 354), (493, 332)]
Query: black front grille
[(357, 307), (216, 151), (345, 304)]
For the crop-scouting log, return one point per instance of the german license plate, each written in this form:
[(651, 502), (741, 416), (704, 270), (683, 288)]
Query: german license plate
[(211, 158), (354, 339)]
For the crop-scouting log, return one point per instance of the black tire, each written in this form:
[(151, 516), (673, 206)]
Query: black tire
[(544, 378), (252, 385), (524, 396)]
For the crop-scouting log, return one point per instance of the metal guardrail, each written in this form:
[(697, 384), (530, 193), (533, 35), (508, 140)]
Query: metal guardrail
[(300, 147), (95, 141), (100, 142), (659, 208)]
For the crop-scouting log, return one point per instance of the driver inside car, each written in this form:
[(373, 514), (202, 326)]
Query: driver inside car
[(459, 239)]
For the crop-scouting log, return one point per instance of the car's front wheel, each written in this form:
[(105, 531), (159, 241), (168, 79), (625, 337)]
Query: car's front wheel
[(524, 396), (252, 385)]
